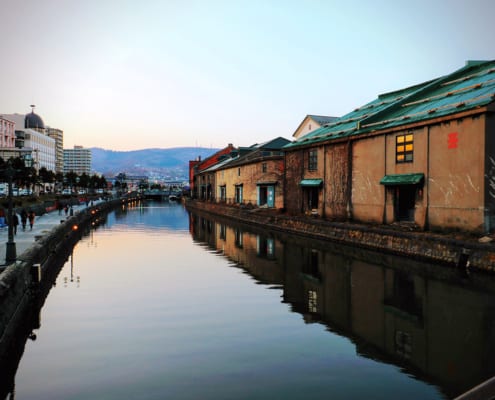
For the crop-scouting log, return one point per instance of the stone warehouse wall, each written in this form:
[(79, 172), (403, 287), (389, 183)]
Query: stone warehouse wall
[(431, 247)]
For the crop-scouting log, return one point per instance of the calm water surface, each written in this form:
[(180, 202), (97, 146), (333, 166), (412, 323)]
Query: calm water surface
[(156, 304)]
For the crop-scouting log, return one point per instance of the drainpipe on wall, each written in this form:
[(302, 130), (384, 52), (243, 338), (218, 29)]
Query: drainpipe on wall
[(384, 219), (301, 190), (349, 180), (427, 180), (325, 183)]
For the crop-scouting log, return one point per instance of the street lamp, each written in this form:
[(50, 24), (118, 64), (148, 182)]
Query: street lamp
[(11, 253)]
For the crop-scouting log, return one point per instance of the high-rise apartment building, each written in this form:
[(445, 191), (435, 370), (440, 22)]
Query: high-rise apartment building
[(58, 135), (77, 160)]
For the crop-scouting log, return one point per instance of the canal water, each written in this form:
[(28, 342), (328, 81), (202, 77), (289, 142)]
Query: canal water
[(159, 304)]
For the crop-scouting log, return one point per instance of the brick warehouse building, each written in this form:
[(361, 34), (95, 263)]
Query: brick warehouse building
[(423, 155), (255, 177)]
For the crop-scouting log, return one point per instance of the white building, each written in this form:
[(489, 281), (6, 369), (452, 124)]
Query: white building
[(311, 123), (43, 149), (77, 160), (31, 137)]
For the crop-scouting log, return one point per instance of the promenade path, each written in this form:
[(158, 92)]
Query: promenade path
[(42, 225)]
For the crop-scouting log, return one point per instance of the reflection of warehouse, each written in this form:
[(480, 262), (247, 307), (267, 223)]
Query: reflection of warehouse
[(395, 314), (424, 155), (393, 310)]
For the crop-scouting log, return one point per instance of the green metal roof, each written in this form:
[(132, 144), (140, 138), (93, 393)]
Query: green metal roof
[(402, 179), (311, 182), (467, 88)]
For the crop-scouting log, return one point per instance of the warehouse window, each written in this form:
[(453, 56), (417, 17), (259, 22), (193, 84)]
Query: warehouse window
[(404, 148), (312, 160)]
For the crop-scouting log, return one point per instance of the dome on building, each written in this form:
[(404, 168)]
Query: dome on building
[(33, 121)]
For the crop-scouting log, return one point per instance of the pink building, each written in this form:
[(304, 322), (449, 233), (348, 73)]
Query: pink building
[(7, 133)]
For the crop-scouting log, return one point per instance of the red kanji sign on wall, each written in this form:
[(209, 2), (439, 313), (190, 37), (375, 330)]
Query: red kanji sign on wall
[(453, 140)]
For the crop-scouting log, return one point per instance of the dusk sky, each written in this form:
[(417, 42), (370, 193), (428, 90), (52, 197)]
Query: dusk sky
[(127, 75)]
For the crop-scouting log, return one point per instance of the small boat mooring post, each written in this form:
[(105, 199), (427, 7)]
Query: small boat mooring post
[(36, 273)]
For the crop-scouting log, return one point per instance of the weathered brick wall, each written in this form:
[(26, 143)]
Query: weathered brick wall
[(294, 169), (456, 175), (368, 167), (337, 188), (249, 175)]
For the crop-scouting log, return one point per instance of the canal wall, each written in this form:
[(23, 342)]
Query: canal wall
[(28, 280), (453, 250)]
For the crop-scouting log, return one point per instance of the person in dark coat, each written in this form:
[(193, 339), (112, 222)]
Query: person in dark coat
[(31, 217), (15, 222), (24, 217)]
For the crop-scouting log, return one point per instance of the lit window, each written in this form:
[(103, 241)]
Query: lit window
[(312, 301), (404, 148)]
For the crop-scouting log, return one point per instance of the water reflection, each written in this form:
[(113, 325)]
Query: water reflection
[(161, 315), (152, 216), (431, 321), (30, 323)]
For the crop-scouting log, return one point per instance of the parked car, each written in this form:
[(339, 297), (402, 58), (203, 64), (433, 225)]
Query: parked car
[(66, 191), (25, 192)]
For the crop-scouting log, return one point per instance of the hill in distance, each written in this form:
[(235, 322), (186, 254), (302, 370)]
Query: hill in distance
[(169, 163)]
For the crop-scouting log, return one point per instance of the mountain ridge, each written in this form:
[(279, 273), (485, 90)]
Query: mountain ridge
[(169, 162)]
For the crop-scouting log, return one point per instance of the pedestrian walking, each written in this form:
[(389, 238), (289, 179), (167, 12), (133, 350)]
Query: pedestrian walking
[(24, 217), (66, 209), (32, 215), (60, 208), (15, 222)]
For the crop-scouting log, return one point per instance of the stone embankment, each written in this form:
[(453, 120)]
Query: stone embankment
[(456, 250)]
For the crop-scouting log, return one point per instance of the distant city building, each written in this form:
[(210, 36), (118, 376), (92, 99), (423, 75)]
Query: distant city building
[(58, 135), (31, 137), (7, 133), (77, 160), (42, 147)]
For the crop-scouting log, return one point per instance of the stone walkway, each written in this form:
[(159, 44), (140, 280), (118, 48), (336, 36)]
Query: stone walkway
[(42, 224)]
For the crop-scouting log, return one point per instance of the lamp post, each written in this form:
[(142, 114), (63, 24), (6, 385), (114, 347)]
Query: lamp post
[(11, 252)]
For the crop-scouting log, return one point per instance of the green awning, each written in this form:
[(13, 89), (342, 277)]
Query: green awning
[(402, 179), (311, 182)]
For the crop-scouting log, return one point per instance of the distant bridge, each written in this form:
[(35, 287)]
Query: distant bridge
[(158, 194)]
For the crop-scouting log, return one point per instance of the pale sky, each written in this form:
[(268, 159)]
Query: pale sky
[(135, 74)]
